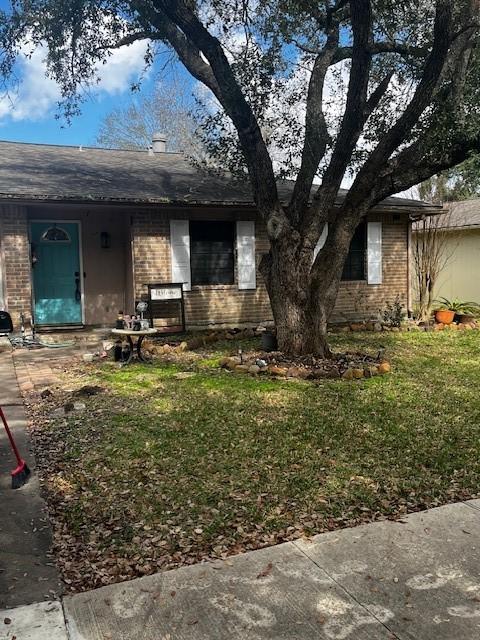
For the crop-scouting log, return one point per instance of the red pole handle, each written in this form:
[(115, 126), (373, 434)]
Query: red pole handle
[(10, 437)]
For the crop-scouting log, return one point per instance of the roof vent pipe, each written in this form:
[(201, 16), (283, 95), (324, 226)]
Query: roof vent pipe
[(159, 143)]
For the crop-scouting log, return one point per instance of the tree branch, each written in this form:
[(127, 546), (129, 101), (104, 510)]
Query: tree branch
[(397, 134), (316, 133), (353, 119), (177, 15), (376, 95), (378, 48)]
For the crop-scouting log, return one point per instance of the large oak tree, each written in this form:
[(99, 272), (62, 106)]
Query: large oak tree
[(410, 109)]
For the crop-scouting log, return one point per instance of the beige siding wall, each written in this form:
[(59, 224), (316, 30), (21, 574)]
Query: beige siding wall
[(461, 276), (15, 258), (218, 305)]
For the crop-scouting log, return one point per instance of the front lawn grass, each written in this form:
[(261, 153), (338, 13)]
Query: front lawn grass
[(160, 471)]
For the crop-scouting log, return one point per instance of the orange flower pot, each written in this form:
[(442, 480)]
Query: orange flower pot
[(444, 316)]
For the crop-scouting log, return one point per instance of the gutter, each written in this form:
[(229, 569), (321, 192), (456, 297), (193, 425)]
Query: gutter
[(402, 208)]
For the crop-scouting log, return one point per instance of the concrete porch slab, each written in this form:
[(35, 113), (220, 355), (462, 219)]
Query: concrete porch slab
[(43, 621), (275, 593)]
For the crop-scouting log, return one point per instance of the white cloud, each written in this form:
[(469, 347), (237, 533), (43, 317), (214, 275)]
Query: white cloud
[(123, 66), (37, 95)]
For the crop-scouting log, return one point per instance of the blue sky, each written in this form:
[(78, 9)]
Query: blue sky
[(28, 114)]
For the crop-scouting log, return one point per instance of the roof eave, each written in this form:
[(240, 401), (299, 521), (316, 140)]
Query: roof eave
[(414, 210)]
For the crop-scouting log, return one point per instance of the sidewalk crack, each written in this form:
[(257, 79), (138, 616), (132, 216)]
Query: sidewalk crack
[(394, 636)]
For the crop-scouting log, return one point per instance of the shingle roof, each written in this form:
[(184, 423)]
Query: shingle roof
[(54, 172), (465, 214)]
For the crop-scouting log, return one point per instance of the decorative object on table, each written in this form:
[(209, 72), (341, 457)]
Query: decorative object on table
[(142, 307), (120, 324), (21, 472)]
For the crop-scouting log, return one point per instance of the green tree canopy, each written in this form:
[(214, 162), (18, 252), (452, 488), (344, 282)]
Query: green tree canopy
[(386, 89)]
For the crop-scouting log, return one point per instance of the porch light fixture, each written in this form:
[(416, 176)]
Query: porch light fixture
[(105, 240)]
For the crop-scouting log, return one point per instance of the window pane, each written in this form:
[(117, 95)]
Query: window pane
[(354, 268), (211, 252), (55, 234)]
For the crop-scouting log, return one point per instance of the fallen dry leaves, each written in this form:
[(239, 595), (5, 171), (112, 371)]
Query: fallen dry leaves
[(158, 472)]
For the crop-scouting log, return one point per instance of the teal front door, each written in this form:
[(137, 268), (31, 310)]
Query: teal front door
[(56, 273)]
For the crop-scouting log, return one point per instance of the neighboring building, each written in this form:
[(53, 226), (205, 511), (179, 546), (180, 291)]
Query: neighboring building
[(460, 276), (84, 230)]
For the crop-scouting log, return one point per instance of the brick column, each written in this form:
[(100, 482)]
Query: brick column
[(151, 249), (15, 252)]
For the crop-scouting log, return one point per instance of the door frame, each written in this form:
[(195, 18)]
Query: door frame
[(80, 261)]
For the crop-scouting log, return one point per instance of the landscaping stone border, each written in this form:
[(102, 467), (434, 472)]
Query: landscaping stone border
[(406, 326), (345, 367)]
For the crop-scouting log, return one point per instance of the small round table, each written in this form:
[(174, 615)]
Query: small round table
[(129, 334)]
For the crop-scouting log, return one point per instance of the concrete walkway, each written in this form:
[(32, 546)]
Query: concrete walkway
[(417, 580), (27, 572)]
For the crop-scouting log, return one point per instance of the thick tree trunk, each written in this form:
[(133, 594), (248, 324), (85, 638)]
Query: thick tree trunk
[(301, 330), (300, 307)]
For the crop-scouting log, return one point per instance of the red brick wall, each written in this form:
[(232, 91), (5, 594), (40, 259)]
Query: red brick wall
[(214, 305), (151, 249), (217, 305), (359, 300), (15, 254)]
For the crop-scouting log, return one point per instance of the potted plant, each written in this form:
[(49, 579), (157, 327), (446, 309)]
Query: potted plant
[(444, 314), (449, 310), (468, 312)]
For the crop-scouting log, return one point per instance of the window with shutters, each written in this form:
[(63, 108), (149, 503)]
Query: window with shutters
[(354, 268), (212, 252)]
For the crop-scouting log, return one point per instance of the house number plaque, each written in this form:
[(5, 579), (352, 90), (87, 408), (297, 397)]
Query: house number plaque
[(165, 302), (166, 293)]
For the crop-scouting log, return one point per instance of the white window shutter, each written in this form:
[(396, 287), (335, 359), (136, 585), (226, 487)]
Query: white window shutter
[(374, 253), (180, 252), (321, 241), (246, 254)]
